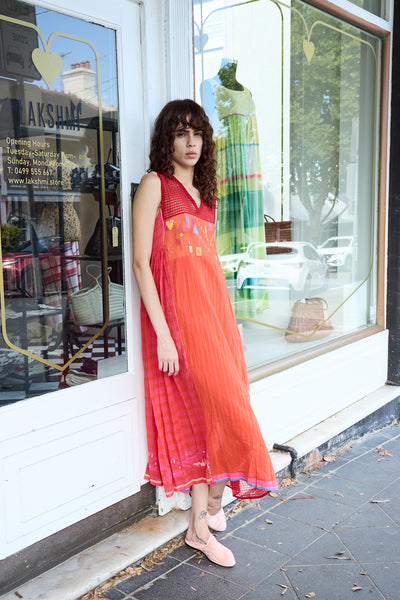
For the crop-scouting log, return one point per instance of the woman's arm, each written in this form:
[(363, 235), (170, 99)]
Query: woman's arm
[(145, 209)]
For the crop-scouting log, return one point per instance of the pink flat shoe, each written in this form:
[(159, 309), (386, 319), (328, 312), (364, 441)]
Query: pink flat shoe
[(217, 522), (216, 552)]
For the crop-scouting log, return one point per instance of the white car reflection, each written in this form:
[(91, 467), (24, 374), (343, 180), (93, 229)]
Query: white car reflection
[(230, 263), (338, 252), (296, 266)]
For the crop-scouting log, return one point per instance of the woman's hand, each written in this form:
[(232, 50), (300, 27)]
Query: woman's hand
[(168, 360)]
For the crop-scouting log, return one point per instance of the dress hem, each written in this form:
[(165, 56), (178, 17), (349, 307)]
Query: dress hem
[(184, 488), (269, 486), (266, 486)]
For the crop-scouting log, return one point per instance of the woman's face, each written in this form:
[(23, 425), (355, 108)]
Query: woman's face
[(187, 147)]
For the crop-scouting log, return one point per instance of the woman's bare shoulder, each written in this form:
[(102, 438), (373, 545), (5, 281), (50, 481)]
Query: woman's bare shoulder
[(149, 184), (148, 195), (150, 179)]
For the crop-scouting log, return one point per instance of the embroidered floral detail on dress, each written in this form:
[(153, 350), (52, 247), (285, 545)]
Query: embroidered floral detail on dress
[(169, 223)]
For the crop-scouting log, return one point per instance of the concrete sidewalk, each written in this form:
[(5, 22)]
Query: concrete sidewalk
[(335, 535)]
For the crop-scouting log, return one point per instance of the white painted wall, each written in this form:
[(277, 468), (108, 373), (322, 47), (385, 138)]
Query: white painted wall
[(298, 398), (65, 458)]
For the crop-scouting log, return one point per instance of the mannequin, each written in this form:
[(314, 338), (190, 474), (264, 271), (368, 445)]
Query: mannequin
[(227, 74), (240, 221)]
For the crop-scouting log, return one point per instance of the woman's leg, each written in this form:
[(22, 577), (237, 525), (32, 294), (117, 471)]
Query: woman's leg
[(198, 529), (198, 534), (215, 498)]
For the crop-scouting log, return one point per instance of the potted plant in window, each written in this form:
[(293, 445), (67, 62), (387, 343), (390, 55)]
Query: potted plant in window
[(10, 237)]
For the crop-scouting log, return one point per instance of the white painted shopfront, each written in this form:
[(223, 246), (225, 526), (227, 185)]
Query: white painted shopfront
[(70, 451)]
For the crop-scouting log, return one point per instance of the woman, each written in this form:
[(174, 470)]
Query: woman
[(202, 433)]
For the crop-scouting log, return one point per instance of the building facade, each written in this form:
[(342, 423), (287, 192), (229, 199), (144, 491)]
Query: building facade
[(298, 94)]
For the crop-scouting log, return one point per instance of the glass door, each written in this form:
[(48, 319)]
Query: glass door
[(64, 195)]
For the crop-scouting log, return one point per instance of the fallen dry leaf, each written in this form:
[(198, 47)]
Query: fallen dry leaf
[(298, 498), (356, 588), (268, 521), (274, 494), (239, 506), (339, 555), (310, 595), (329, 459), (323, 528), (382, 452), (339, 494), (18, 594), (373, 501), (287, 482), (285, 588)]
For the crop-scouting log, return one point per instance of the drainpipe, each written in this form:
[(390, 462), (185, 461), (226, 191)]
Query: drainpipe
[(293, 454), (393, 263)]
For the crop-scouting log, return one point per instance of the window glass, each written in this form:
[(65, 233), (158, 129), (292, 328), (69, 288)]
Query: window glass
[(376, 7), (293, 97), (62, 294)]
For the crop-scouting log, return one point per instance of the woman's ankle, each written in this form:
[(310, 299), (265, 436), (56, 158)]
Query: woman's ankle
[(198, 535), (214, 505)]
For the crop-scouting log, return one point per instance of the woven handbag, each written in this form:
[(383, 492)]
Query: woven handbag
[(277, 231), (87, 304), (308, 322)]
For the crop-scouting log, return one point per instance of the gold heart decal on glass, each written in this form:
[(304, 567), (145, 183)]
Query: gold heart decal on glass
[(309, 50), (48, 65)]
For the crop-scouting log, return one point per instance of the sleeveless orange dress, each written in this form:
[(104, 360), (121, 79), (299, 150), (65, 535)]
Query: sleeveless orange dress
[(200, 424)]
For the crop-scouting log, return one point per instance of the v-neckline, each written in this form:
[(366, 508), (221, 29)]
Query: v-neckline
[(190, 195)]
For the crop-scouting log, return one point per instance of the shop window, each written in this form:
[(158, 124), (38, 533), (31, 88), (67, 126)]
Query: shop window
[(62, 289), (293, 97)]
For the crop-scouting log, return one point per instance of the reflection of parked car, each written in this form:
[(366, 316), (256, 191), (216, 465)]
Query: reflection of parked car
[(285, 265), (338, 252), (18, 269), (230, 263)]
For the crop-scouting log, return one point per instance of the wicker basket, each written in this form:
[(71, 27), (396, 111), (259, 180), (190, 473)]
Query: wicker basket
[(87, 304), (308, 321)]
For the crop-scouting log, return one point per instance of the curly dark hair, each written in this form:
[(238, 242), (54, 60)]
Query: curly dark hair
[(186, 113)]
